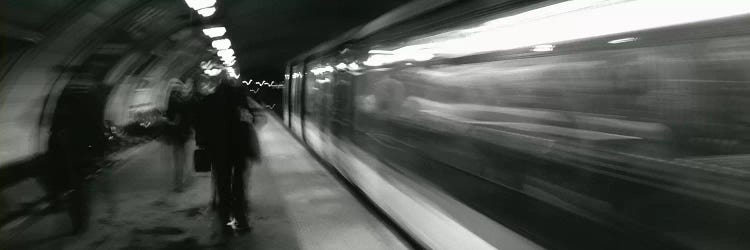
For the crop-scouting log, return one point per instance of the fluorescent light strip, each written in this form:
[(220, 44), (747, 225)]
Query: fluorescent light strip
[(221, 44), (225, 53), (566, 21), (200, 4), (214, 32), (207, 12), (623, 40)]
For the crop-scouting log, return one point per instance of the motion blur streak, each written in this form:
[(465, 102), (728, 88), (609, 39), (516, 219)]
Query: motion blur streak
[(592, 124), (565, 21)]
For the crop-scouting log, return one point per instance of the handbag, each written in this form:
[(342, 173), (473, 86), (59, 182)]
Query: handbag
[(201, 161)]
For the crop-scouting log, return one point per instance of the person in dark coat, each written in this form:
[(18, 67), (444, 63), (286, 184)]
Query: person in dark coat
[(76, 142), (231, 142)]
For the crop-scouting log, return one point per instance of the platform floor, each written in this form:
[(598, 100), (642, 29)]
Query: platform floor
[(295, 203)]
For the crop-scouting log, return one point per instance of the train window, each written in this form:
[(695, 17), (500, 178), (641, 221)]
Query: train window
[(319, 95)]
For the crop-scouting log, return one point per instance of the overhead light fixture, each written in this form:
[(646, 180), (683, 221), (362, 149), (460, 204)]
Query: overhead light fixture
[(543, 48), (421, 57), (200, 4), (230, 63), (232, 72), (212, 72), (226, 60), (623, 40), (214, 31), (567, 21), (225, 53), (380, 51), (322, 70), (207, 12), (353, 66), (381, 57), (221, 44)]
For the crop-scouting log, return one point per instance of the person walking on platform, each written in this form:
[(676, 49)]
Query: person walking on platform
[(178, 132), (224, 132)]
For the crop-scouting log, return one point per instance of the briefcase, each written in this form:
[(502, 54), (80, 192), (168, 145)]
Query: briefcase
[(201, 161)]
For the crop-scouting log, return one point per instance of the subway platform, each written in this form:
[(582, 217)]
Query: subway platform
[(295, 203)]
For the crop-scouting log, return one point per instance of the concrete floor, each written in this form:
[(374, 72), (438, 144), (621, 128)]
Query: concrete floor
[(294, 202)]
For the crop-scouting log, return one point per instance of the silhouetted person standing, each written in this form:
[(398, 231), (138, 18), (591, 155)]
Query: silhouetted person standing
[(76, 141), (231, 142)]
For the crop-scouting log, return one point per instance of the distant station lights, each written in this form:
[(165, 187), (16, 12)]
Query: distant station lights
[(205, 8), (264, 83)]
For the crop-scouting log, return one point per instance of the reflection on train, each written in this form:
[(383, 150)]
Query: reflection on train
[(637, 136)]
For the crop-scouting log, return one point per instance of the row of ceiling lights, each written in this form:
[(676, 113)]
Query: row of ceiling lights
[(223, 45)]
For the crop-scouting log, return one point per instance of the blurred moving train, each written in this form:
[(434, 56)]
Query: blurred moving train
[(585, 124)]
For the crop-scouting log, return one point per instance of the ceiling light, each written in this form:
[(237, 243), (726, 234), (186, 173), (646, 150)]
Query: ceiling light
[(212, 72), (200, 4), (569, 21), (380, 51), (207, 12), (225, 53), (227, 58), (353, 66), (214, 31), (341, 66), (623, 40), (221, 44), (422, 57), (543, 48)]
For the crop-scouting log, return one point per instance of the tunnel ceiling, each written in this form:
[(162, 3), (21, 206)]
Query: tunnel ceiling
[(267, 33)]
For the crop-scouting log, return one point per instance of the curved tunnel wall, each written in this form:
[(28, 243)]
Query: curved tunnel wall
[(135, 40)]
